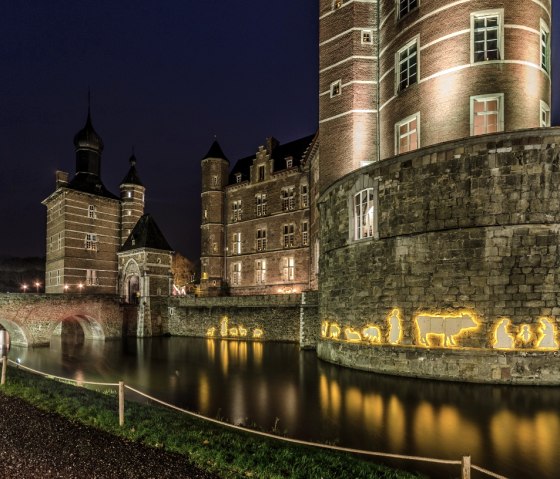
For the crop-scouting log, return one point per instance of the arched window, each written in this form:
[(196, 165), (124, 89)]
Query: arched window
[(363, 214)]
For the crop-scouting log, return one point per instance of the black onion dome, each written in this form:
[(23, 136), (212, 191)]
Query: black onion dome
[(88, 138), (132, 177)]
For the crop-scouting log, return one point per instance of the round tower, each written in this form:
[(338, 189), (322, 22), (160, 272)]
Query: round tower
[(132, 200), (215, 168)]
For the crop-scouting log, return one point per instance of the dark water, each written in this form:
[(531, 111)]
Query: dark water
[(514, 431)]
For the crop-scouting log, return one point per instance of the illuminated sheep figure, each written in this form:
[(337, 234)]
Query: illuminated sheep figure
[(258, 333), (242, 331), (211, 332)]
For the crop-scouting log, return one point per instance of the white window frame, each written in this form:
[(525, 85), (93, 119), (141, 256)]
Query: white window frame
[(544, 120), (414, 42), (288, 196), (260, 199), (364, 213), (499, 13), (260, 271), (129, 194), (236, 207), (545, 46), (59, 240), (336, 88), (91, 277), (367, 36), (236, 273), (261, 239), (236, 243), (398, 125), (304, 195), (489, 97), (288, 268), (92, 211), (408, 8), (90, 242), (288, 235), (305, 233), (58, 276)]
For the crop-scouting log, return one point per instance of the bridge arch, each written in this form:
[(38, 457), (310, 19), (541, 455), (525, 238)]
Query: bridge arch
[(88, 326), (19, 336)]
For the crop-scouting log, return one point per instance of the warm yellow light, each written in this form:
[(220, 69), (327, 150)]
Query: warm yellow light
[(211, 332), (525, 334), (372, 334), (258, 333), (234, 332), (547, 334), (334, 331), (395, 326), (324, 329), (502, 338), (352, 336), (224, 326), (446, 327), (242, 331)]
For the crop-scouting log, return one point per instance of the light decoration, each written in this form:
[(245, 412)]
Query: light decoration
[(547, 334), (334, 331), (242, 331), (224, 326), (447, 327), (395, 326), (525, 334), (372, 334), (324, 329), (503, 339), (234, 332), (258, 333), (352, 336), (526, 338), (211, 332)]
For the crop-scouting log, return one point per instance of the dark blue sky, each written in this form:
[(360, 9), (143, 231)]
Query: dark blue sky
[(166, 76)]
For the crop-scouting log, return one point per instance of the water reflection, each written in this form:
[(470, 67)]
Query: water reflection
[(513, 431)]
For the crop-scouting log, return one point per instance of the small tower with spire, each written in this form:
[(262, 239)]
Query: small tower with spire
[(132, 200), (215, 167)]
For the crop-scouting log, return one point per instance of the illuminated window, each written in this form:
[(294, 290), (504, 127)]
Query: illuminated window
[(336, 88), (337, 4), (261, 172), (236, 210), (304, 196), (261, 239), (214, 180), (90, 242), (236, 243), (407, 134), (545, 46), (91, 277), (304, 233), (288, 235), (407, 66), (205, 214), (261, 204), (406, 6), (58, 277), (545, 115), (129, 194), (288, 269), (236, 274), (288, 199), (486, 34), (367, 37), (260, 271), (487, 114), (363, 214)]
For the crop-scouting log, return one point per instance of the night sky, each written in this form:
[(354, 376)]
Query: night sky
[(165, 77)]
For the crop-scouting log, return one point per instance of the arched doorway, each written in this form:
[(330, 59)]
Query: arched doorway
[(130, 282), (133, 289)]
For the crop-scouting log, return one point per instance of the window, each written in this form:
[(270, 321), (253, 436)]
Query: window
[(545, 47), (288, 269), (205, 214), (487, 114), (304, 233), (545, 115), (91, 277), (238, 177), (236, 243), (304, 196), (91, 211), (406, 6), (363, 214), (236, 207), (129, 194), (260, 271), (261, 239), (288, 235), (60, 236), (407, 66), (335, 88), (58, 277), (407, 134), (367, 37), (288, 199), (261, 172), (236, 274), (289, 162), (486, 36), (91, 242), (261, 204), (128, 212), (214, 180), (337, 4)]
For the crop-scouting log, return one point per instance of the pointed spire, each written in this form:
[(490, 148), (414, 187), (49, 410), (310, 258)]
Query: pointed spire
[(132, 177), (215, 151)]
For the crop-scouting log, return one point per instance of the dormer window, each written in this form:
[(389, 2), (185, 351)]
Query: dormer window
[(289, 162), (261, 172), (238, 177)]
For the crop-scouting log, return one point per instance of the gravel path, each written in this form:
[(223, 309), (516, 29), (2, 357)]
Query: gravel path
[(37, 444)]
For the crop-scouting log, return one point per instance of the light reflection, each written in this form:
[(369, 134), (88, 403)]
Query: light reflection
[(373, 412), (257, 353), (224, 357), (396, 421), (211, 349), (203, 393)]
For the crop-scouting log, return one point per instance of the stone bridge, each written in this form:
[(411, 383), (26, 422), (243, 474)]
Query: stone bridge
[(33, 319)]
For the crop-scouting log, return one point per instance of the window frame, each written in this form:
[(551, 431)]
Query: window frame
[(261, 204), (236, 210), (261, 239), (399, 124), (335, 88), (236, 243), (236, 273), (288, 198), (499, 13), (363, 36), (288, 235), (288, 268), (544, 109), (488, 97), (260, 271), (305, 233), (398, 9), (90, 242), (304, 195), (92, 212), (413, 42), (544, 49)]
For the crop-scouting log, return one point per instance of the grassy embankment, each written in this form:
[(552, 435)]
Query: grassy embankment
[(211, 447)]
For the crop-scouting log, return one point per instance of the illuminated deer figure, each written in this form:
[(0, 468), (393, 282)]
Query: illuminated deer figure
[(447, 327)]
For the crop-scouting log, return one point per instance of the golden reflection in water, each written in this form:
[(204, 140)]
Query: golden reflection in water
[(422, 425), (353, 400), (224, 357), (330, 398), (203, 393), (396, 420), (373, 412), (234, 351), (257, 353), (335, 397), (324, 395), (243, 353), (211, 349), (547, 434)]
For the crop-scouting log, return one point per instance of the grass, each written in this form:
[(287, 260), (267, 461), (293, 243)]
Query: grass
[(211, 447)]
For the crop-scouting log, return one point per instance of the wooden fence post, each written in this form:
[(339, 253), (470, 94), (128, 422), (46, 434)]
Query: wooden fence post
[(4, 365), (121, 403), (466, 467)]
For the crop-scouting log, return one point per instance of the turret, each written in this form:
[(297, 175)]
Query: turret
[(89, 147), (215, 168), (132, 200)]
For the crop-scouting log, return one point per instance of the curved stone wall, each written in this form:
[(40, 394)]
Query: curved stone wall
[(461, 267)]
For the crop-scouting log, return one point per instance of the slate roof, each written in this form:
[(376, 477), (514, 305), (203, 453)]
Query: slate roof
[(215, 151), (87, 137), (132, 177), (90, 183), (146, 234), (296, 149)]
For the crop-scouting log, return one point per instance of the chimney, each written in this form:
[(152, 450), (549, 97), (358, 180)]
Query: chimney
[(61, 178)]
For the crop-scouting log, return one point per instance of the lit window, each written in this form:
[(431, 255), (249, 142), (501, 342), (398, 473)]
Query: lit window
[(304, 196), (288, 269), (545, 46), (238, 177), (236, 207), (58, 277), (261, 204), (261, 239), (236, 274), (91, 211), (91, 242), (487, 114), (337, 4), (406, 6), (129, 194), (545, 115), (367, 37), (407, 66), (407, 134), (363, 214), (236, 243), (260, 271), (486, 36), (288, 233), (288, 199), (205, 214), (91, 277), (305, 233), (335, 88), (128, 213)]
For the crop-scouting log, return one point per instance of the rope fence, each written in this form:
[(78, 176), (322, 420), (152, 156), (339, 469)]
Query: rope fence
[(464, 462)]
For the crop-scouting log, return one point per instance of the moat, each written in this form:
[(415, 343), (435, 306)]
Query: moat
[(513, 431)]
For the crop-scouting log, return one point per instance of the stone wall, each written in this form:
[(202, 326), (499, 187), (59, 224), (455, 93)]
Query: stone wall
[(464, 254)]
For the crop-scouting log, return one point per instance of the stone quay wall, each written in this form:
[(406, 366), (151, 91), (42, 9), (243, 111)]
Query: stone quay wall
[(288, 317), (462, 268)]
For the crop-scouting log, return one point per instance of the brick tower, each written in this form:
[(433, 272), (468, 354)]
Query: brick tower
[(132, 200)]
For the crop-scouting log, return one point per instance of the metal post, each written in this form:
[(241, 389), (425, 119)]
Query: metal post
[(121, 403), (4, 364), (466, 467)]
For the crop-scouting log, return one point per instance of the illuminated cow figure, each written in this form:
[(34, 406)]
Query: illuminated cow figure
[(446, 327), (372, 334)]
